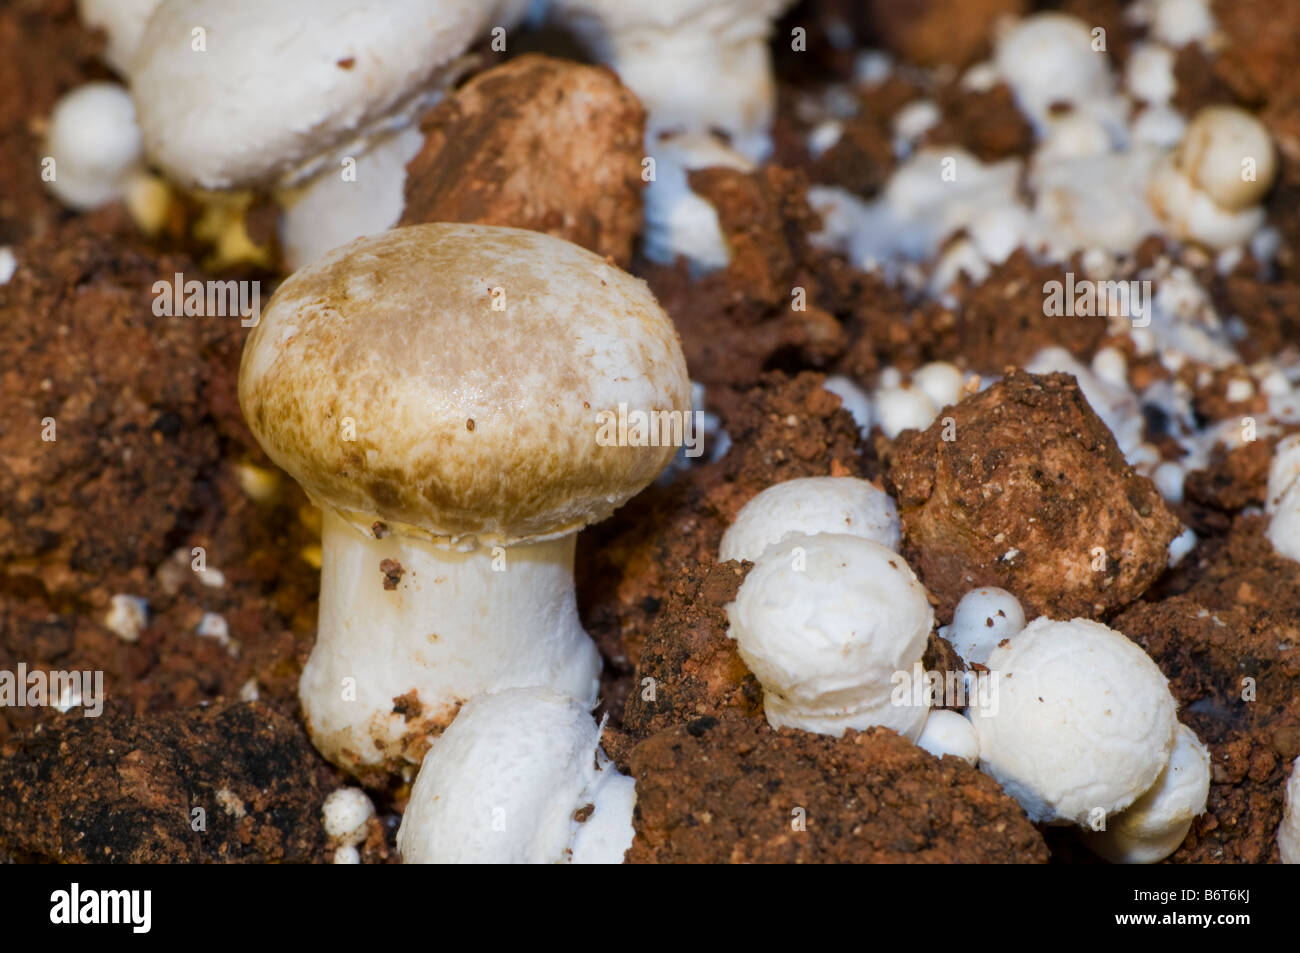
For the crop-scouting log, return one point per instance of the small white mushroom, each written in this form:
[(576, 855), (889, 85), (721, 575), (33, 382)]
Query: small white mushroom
[(1049, 58), (983, 618), (827, 623), (1282, 502), (1084, 722), (1288, 833), (1153, 826), (906, 407), (345, 813), (947, 732), (95, 145), (519, 777), (809, 506)]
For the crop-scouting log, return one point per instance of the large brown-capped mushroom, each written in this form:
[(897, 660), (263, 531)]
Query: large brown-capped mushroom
[(439, 392)]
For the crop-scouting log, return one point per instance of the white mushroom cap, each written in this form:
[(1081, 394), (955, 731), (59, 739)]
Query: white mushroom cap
[(1283, 500), (1048, 58), (1217, 141), (503, 785), (346, 811), (809, 506), (123, 22), (1085, 720), (281, 84), (95, 145), (826, 622), (1288, 833), (696, 65), (947, 732), (1154, 825), (982, 619), (903, 408), (941, 381)]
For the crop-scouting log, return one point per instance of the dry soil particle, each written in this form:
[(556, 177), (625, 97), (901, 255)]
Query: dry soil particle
[(936, 32), (537, 143), (1031, 495), (689, 666), (104, 429), (125, 789), (720, 790)]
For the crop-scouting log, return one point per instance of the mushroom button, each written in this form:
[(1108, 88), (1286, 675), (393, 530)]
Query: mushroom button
[(825, 623), (358, 382), (518, 778)]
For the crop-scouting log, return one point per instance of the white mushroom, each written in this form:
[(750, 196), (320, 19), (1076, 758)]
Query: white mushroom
[(696, 65), (1282, 502), (94, 144), (1084, 722), (345, 812), (808, 506), (983, 618), (123, 23), (456, 449), (827, 623), (1153, 826), (947, 732), (518, 778), (269, 96), (1208, 190), (1288, 833)]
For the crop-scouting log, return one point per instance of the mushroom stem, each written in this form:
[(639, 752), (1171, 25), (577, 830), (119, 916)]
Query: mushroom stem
[(401, 615)]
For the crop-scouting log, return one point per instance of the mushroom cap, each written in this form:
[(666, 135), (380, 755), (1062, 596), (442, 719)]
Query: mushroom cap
[(467, 420), (811, 505), (1084, 720), (1154, 825), (1288, 833), (281, 83), (826, 623)]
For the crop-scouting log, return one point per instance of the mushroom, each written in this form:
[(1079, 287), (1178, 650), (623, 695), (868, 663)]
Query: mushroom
[(948, 732), (982, 619), (123, 23), (698, 66), (1084, 721), (1288, 832), (518, 778), (811, 505), (437, 390), (1209, 188), (826, 623), (95, 145), (1153, 826), (282, 95), (1282, 502), (346, 812)]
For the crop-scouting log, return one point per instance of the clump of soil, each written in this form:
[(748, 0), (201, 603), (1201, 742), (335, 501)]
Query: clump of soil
[(1020, 491), (536, 143), (732, 790), (126, 790)]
